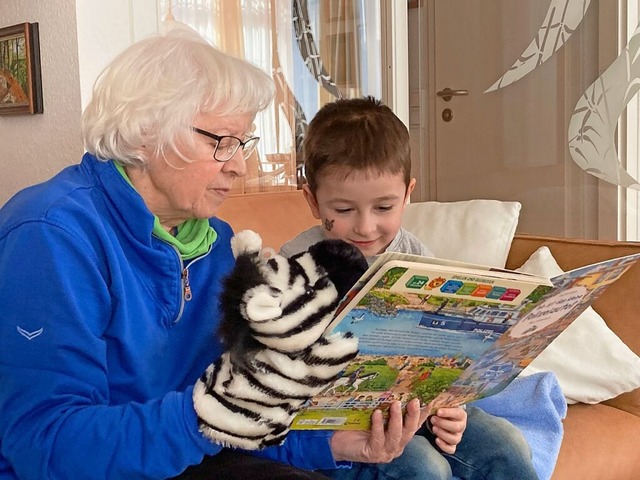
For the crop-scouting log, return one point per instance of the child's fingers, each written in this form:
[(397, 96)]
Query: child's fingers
[(451, 434), (453, 413), (450, 419), (447, 440), (446, 447), (455, 426)]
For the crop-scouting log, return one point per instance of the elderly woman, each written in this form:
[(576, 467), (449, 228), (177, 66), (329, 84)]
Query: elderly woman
[(110, 274)]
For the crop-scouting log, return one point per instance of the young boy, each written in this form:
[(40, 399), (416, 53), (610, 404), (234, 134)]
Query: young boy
[(358, 169)]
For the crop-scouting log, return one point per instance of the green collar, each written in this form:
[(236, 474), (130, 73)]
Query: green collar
[(193, 238)]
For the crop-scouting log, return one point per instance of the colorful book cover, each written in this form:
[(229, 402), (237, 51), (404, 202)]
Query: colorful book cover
[(447, 333)]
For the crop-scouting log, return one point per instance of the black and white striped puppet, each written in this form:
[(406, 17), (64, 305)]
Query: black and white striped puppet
[(278, 353)]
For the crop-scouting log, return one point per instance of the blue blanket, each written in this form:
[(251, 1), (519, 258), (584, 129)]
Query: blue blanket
[(536, 406)]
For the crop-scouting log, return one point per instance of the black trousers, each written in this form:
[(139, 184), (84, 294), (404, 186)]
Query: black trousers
[(232, 465)]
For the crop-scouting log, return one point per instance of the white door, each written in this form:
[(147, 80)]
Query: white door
[(511, 143)]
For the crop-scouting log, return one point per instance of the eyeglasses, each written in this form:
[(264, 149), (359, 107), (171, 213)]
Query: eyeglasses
[(227, 145)]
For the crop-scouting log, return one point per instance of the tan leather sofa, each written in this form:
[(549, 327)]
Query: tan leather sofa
[(601, 441)]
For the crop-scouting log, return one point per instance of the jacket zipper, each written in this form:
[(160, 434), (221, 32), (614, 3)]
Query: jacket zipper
[(186, 288), (187, 295)]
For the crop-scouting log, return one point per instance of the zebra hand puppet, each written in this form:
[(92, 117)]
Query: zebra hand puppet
[(277, 352)]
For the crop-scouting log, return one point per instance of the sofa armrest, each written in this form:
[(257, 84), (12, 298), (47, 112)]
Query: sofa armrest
[(599, 443), (619, 306)]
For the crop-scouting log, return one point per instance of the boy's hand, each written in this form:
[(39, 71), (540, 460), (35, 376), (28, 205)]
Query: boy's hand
[(379, 445), (448, 424)]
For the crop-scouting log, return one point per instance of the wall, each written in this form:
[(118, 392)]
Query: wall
[(76, 42), (107, 28), (33, 147)]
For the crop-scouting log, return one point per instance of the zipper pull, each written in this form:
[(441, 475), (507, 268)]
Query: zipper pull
[(186, 288)]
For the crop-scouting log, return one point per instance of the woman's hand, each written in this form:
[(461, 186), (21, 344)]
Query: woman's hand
[(448, 424), (379, 445)]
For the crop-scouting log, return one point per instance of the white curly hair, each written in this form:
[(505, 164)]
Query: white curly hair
[(150, 93)]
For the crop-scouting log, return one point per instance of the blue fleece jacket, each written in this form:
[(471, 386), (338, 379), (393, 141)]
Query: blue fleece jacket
[(99, 349)]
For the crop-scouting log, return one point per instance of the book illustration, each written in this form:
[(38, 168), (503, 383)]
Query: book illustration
[(384, 259), (573, 292), (447, 334)]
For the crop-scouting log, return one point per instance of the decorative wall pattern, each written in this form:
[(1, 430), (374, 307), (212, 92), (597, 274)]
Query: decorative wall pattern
[(563, 17), (592, 128)]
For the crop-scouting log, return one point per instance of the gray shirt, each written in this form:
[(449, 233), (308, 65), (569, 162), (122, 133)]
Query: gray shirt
[(404, 242)]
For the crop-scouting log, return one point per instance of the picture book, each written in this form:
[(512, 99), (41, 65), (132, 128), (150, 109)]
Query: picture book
[(446, 332)]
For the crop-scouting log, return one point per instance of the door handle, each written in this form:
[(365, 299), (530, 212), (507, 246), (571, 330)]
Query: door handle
[(447, 94)]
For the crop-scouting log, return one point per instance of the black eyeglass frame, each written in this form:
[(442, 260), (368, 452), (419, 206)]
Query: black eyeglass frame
[(219, 138)]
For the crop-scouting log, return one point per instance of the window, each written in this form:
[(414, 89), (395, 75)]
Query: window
[(317, 51)]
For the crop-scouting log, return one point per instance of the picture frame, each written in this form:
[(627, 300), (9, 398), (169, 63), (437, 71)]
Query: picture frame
[(20, 79)]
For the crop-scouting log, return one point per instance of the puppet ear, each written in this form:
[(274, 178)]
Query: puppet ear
[(262, 304), (246, 241)]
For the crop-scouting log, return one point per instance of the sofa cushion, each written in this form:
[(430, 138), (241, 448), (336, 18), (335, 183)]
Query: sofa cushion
[(591, 362), (475, 231), (600, 443)]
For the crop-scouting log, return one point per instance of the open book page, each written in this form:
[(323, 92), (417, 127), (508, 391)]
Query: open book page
[(573, 292), (419, 326), (425, 265), (438, 332)]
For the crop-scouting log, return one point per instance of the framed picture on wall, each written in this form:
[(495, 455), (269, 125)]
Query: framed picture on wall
[(20, 81)]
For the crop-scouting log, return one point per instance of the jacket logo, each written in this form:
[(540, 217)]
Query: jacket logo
[(30, 335)]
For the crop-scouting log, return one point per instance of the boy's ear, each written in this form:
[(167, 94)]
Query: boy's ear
[(311, 200), (410, 187)]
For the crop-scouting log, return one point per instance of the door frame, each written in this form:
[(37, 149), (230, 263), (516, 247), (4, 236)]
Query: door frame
[(394, 44)]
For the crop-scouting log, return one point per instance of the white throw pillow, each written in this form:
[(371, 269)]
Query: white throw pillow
[(591, 362), (474, 231)]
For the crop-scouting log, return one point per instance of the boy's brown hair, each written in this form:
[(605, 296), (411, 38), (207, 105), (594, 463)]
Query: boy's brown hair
[(356, 134)]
